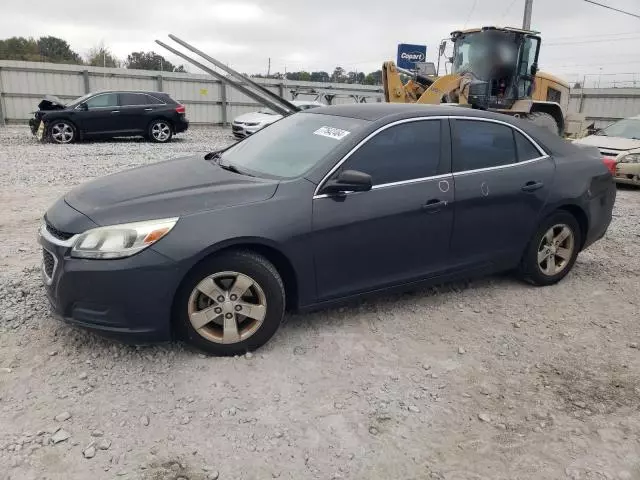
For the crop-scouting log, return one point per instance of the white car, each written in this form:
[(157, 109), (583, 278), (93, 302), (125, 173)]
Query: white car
[(250, 123), (619, 144)]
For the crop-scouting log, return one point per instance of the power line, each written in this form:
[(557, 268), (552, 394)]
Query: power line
[(615, 35), (584, 42), (508, 9), (473, 7), (612, 8)]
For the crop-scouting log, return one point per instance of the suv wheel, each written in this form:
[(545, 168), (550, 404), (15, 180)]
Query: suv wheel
[(552, 251), (61, 131), (231, 304), (160, 131)]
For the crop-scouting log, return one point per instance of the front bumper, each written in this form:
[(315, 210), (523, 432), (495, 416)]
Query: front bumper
[(129, 298)]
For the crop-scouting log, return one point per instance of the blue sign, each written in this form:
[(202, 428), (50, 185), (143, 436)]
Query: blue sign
[(409, 54)]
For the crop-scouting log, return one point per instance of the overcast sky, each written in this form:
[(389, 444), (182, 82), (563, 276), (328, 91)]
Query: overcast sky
[(578, 37)]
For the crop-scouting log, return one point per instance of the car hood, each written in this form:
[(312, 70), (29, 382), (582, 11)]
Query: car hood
[(614, 143), (49, 102), (167, 189), (257, 117)]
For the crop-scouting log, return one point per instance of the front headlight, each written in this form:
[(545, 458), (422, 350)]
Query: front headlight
[(631, 158), (252, 124), (119, 241)]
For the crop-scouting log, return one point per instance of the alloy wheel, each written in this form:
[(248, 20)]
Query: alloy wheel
[(556, 249), (227, 307), (62, 132), (161, 131)]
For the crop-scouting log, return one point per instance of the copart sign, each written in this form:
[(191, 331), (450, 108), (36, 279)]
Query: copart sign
[(409, 54)]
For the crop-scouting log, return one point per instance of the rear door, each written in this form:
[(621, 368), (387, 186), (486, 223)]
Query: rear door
[(502, 181), (135, 108)]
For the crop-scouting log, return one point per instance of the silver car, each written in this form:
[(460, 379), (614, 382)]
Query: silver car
[(249, 123)]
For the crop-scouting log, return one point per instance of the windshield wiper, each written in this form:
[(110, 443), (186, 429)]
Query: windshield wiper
[(233, 168)]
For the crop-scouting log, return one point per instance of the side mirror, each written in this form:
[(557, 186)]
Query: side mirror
[(349, 181), (534, 69), (83, 106)]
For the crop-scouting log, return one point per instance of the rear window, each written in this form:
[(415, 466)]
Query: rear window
[(132, 99), (291, 146)]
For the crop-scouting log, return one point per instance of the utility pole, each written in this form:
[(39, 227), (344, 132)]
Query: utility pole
[(526, 20), (269, 68)]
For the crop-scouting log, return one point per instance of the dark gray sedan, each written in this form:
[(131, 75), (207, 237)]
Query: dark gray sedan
[(322, 206)]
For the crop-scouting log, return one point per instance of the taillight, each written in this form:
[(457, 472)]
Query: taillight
[(610, 163), (181, 109)]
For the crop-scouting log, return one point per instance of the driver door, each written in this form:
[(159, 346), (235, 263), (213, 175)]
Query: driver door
[(102, 115), (397, 232)]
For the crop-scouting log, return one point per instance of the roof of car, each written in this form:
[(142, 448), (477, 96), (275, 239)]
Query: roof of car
[(378, 111), (150, 92)]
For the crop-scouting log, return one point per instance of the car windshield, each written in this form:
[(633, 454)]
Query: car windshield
[(627, 128), (291, 146), (79, 100)]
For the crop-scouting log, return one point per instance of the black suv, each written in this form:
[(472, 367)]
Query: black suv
[(154, 115)]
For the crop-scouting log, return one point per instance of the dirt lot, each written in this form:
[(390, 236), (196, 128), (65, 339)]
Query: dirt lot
[(490, 379)]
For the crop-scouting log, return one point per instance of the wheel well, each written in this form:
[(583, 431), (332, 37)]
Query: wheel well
[(582, 220), (277, 258), (160, 118), (552, 109)]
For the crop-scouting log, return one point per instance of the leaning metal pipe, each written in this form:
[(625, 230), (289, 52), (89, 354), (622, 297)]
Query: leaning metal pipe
[(237, 75), (248, 92)]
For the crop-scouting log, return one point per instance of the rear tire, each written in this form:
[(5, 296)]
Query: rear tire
[(230, 304), (544, 120), (552, 252), (160, 131)]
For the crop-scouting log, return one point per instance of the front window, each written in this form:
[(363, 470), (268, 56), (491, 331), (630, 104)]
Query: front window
[(627, 128), (488, 55), (291, 146), (103, 100)]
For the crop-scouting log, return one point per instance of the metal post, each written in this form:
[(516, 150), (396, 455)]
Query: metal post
[(584, 80), (160, 83), (225, 104), (85, 76), (526, 20), (281, 89), (2, 109)]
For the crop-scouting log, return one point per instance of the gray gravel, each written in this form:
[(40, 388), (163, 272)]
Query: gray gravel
[(489, 379)]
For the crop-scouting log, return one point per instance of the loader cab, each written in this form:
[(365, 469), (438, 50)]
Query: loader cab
[(502, 63)]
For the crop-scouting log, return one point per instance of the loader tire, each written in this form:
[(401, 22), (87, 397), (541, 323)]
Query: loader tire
[(545, 120)]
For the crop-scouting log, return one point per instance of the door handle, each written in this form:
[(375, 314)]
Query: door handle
[(148, 109), (434, 205), (532, 186), (115, 111)]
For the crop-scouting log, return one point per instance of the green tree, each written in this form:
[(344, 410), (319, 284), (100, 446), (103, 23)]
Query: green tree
[(373, 78), (57, 50), (20, 48), (320, 77), (338, 75), (101, 56), (151, 61)]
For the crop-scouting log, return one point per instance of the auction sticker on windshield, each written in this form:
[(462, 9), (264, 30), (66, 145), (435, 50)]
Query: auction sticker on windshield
[(331, 132)]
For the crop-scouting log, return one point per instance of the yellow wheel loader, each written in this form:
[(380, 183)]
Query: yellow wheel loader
[(491, 69)]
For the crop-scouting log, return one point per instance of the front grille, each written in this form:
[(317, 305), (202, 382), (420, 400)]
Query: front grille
[(48, 263), (236, 128), (609, 154), (60, 235)]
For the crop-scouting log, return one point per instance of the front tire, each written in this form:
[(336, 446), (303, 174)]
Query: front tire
[(230, 304), (552, 251), (160, 131), (545, 120), (62, 132)]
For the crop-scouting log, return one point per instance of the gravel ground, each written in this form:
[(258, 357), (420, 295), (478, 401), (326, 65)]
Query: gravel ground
[(489, 379)]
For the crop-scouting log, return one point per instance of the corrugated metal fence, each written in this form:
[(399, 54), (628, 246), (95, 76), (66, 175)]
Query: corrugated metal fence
[(208, 101)]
